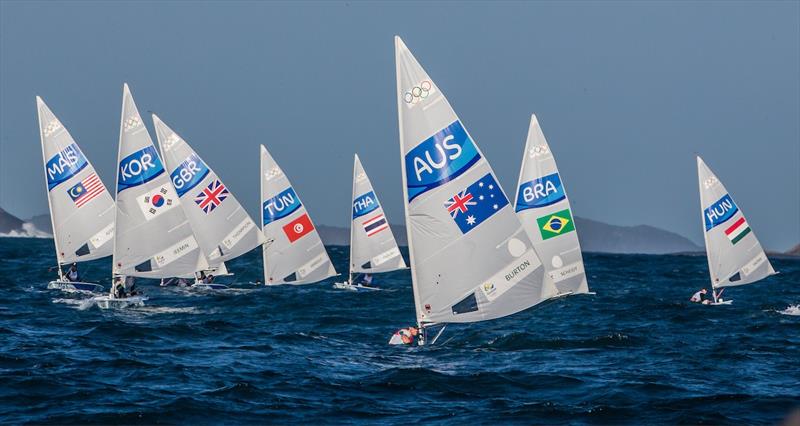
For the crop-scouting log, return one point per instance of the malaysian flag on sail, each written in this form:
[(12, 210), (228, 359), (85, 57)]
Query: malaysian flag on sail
[(374, 225), (85, 190)]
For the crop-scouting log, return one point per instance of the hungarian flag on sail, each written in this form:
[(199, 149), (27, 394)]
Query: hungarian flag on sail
[(298, 228), (738, 230), (85, 190), (375, 224)]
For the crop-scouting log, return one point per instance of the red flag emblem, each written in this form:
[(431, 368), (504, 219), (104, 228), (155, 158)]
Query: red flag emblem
[(297, 228)]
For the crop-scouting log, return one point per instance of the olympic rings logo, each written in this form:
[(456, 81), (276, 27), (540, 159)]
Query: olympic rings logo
[(132, 123), (52, 127), (171, 140), (418, 93), (708, 183), (538, 151)]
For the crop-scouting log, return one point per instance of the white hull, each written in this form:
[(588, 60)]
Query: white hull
[(75, 286), (351, 287), (107, 302), (212, 286)]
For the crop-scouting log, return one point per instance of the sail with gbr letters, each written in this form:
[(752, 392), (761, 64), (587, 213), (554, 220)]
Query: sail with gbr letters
[(735, 256), (372, 244), (222, 227), (293, 253), (471, 260), (81, 209), (544, 210), (153, 238)]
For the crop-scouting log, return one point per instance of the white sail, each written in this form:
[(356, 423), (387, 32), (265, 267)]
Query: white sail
[(222, 227), (372, 244), (81, 209), (471, 260), (293, 252), (153, 238), (544, 210), (735, 256)]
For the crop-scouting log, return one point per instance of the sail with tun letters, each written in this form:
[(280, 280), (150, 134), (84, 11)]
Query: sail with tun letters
[(543, 207), (293, 252), (471, 259), (735, 256)]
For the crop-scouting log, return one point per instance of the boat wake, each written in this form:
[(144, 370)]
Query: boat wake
[(793, 310)]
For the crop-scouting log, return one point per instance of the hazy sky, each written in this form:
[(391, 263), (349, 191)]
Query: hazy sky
[(625, 92)]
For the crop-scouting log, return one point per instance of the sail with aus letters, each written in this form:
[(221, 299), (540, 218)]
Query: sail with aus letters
[(372, 244), (81, 209), (153, 238), (471, 260), (735, 256), (544, 210), (222, 227), (293, 252)]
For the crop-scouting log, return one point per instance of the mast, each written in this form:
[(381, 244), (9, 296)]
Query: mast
[(125, 90), (39, 103), (352, 198), (261, 208)]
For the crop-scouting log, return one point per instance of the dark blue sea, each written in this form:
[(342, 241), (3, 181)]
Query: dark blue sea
[(635, 353)]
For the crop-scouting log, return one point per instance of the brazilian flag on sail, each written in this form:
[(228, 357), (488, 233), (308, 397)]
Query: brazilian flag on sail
[(555, 224)]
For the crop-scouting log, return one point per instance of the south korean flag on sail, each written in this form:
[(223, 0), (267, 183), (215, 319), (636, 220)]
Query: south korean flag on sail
[(158, 201)]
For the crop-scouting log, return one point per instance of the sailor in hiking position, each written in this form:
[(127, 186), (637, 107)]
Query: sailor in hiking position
[(404, 336), (699, 296), (72, 273)]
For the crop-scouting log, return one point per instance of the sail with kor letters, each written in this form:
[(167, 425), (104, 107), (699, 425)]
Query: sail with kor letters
[(735, 256), (293, 253), (543, 208), (222, 227), (372, 244), (471, 259), (153, 238), (81, 209)]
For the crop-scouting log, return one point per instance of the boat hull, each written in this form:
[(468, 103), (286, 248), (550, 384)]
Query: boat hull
[(107, 302), (350, 287), (75, 286)]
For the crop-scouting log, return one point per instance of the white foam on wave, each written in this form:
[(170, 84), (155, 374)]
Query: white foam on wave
[(28, 230), (80, 304), (793, 310)]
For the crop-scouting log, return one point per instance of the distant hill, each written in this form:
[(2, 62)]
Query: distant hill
[(12, 226), (594, 237), (9, 222), (794, 251)]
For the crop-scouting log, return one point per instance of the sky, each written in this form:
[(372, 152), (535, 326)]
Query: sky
[(626, 93)]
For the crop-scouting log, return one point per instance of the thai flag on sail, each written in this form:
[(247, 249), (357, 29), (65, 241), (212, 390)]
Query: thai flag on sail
[(374, 225), (472, 206), (212, 196), (85, 190)]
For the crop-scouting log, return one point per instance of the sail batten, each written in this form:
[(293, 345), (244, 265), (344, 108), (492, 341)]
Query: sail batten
[(545, 212), (81, 208), (735, 256), (153, 238), (471, 259), (292, 252)]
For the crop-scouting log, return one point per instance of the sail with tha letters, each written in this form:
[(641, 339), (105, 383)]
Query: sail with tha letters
[(293, 253), (735, 256), (543, 207), (153, 238), (372, 244), (222, 227), (471, 259)]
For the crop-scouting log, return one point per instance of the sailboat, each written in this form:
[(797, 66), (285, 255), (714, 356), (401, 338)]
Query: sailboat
[(223, 228), (471, 259), (543, 208), (81, 209), (735, 256), (153, 237), (292, 251), (373, 248)]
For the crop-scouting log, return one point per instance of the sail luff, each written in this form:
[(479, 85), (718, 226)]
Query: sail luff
[(352, 224), (39, 103)]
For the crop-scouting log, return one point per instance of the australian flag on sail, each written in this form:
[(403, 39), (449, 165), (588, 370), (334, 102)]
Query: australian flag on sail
[(212, 196), (472, 206)]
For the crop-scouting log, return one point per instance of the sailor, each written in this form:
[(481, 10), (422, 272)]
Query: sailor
[(404, 336), (363, 280), (698, 297), (209, 279), (72, 273), (119, 288)]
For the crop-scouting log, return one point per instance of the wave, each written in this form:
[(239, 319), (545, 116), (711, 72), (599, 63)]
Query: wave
[(28, 230), (793, 310)]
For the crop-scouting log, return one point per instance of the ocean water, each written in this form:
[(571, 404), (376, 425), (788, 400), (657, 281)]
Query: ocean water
[(636, 352)]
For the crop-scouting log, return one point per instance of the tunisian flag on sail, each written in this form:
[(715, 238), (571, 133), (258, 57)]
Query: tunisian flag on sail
[(297, 228)]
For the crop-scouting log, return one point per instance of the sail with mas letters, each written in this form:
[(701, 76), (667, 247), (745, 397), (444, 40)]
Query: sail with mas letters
[(735, 256), (373, 248), (471, 260), (81, 209), (293, 252), (544, 210), (153, 237), (222, 227)]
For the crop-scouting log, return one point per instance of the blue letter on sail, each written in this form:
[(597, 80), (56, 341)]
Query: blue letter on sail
[(191, 172), (719, 212), (439, 159), (64, 165), (541, 192), (365, 204), (140, 167), (280, 206)]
